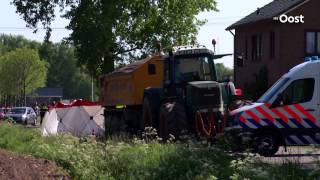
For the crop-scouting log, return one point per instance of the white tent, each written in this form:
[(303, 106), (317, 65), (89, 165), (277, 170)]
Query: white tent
[(80, 118)]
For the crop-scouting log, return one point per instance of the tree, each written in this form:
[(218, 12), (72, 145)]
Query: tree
[(223, 72), (9, 43), (22, 72), (105, 31), (63, 71), (62, 65)]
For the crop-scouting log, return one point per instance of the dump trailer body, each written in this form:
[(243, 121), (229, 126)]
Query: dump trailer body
[(125, 86)]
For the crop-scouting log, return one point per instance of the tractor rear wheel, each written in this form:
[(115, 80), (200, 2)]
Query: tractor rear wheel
[(173, 120)]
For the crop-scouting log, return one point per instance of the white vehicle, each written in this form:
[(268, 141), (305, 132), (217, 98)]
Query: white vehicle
[(287, 114), (24, 115)]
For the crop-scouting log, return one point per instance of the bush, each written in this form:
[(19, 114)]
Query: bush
[(85, 158)]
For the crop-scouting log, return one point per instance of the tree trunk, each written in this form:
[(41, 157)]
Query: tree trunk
[(109, 10), (108, 64)]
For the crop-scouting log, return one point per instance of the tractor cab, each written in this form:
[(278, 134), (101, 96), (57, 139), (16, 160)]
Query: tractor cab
[(193, 63), (191, 93), (187, 64), (190, 75)]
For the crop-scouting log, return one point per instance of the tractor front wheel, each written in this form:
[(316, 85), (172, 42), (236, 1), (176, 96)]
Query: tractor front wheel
[(173, 120)]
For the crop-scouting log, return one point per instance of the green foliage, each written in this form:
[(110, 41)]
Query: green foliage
[(85, 158), (9, 43), (61, 63), (22, 72), (64, 72), (223, 72), (108, 31)]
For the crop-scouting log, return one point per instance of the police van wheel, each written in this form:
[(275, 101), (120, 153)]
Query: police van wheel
[(266, 144)]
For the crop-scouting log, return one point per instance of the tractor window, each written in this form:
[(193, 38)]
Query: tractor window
[(206, 69), (299, 91), (194, 69)]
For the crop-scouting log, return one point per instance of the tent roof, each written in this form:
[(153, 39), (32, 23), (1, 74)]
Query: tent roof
[(78, 102)]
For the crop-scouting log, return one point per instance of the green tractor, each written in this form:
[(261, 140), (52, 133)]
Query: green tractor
[(190, 98)]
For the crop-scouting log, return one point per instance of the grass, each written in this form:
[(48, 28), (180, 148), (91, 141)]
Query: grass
[(86, 158)]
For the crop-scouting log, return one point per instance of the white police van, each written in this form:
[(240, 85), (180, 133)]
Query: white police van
[(287, 114)]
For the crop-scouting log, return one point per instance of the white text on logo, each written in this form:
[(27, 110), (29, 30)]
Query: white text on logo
[(290, 19)]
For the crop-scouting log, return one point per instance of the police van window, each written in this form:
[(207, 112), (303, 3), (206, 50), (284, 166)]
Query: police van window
[(299, 91), (273, 90)]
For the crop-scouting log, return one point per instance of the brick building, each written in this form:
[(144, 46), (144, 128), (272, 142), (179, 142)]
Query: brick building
[(264, 46)]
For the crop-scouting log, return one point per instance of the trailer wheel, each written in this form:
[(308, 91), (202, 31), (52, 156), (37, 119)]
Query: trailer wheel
[(173, 120), (132, 118), (266, 144), (114, 124), (148, 117)]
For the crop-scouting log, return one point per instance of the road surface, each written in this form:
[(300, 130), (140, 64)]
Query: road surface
[(307, 156)]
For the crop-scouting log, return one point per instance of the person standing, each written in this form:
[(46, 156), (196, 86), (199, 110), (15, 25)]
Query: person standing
[(43, 110), (36, 109)]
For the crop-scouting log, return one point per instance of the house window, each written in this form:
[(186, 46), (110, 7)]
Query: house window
[(272, 44), (256, 47), (312, 43)]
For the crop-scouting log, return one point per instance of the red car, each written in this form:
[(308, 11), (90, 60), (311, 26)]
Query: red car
[(2, 112)]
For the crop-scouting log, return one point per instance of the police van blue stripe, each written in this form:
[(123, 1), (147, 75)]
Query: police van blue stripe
[(243, 125), (290, 141), (301, 138), (285, 125), (298, 124), (269, 122), (315, 139), (254, 122), (310, 123)]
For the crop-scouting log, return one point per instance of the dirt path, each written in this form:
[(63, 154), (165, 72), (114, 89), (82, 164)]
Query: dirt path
[(15, 167)]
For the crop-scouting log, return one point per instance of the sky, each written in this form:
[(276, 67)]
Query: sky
[(230, 11)]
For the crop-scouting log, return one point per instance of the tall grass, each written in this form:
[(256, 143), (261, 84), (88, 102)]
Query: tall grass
[(86, 158)]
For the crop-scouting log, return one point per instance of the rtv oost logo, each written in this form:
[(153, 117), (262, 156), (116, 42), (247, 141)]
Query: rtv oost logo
[(290, 19)]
